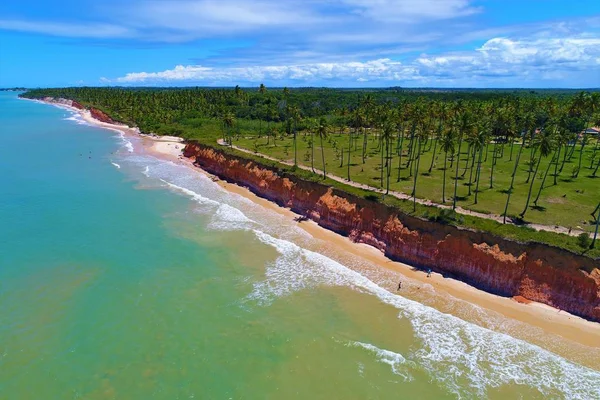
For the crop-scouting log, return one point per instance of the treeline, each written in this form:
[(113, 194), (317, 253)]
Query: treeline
[(542, 130)]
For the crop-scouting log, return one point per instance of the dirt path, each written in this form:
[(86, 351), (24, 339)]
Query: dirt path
[(404, 196)]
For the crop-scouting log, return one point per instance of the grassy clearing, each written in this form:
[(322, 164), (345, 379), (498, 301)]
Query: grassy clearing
[(568, 203)]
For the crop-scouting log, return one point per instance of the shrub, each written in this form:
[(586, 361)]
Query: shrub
[(583, 240)]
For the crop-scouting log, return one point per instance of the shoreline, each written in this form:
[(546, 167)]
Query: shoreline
[(549, 319)]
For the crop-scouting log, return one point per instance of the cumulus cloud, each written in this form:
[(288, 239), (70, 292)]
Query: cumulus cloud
[(497, 58), (377, 69), (504, 57)]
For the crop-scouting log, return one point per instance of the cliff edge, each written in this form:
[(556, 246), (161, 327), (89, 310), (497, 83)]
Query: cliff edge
[(532, 271)]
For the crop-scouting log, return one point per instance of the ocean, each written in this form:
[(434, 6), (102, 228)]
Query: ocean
[(125, 276)]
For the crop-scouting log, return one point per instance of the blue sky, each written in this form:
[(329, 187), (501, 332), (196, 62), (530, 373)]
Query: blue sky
[(343, 43)]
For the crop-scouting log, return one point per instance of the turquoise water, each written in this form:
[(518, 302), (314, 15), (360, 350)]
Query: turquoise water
[(123, 276)]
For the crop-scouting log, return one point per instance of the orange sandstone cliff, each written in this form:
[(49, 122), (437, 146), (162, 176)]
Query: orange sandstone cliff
[(100, 116), (530, 271)]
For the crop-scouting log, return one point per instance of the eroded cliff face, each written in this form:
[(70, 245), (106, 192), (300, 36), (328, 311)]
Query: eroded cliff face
[(100, 116), (531, 271), (65, 102)]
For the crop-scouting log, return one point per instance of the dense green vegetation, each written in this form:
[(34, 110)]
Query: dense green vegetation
[(521, 154)]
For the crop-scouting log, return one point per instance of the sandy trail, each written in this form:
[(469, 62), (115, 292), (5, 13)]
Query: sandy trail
[(550, 320), (404, 196)]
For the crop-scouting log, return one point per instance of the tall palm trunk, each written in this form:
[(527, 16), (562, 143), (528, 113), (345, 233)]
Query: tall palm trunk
[(364, 145), (418, 160), (389, 167), (295, 149), (583, 143), (478, 173), (512, 181), (434, 148), (556, 163), (593, 158), (456, 175), (544, 179), (471, 172), (400, 154), (597, 223), (444, 178), (349, 150), (530, 188), (494, 158), (596, 170), (312, 148), (323, 157), (381, 181), (468, 160)]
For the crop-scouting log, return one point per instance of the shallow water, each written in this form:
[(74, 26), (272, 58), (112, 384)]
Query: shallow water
[(125, 276)]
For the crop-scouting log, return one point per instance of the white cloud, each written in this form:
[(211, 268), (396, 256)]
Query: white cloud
[(93, 30), (188, 20), (377, 69), (211, 17), (514, 60), (412, 11)]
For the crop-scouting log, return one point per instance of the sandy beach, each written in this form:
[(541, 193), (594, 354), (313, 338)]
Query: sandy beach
[(549, 319)]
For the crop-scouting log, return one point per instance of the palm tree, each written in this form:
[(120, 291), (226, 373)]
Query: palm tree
[(447, 146), (228, 121), (512, 180), (441, 111), (554, 161), (386, 137), (420, 137), (295, 116), (480, 144), (544, 143), (597, 218), (312, 127), (322, 132), (463, 122)]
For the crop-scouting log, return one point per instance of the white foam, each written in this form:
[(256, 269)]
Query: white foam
[(395, 360), (146, 171), (464, 358), (196, 196), (230, 219), (116, 165), (127, 143)]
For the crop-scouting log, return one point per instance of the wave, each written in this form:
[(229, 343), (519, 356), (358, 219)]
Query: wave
[(77, 119), (395, 360), (127, 143), (464, 358), (116, 165)]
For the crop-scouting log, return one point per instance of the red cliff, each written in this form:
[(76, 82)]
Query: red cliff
[(531, 271), (101, 116)]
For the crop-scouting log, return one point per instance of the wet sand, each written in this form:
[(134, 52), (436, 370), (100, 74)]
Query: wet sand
[(549, 319), (540, 315)]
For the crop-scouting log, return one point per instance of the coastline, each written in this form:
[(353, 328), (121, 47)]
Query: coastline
[(549, 319)]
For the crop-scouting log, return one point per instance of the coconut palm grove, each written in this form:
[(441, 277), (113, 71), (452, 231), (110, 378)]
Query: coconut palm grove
[(517, 158)]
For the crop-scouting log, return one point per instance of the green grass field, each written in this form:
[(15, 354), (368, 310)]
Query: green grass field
[(568, 203)]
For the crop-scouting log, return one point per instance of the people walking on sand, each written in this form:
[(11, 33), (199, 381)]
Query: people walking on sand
[(399, 285), (428, 272)]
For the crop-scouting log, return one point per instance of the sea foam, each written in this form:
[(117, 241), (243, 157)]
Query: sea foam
[(464, 358)]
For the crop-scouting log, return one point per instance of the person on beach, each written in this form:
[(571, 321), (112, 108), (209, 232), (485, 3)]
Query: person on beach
[(399, 285), (428, 272)]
